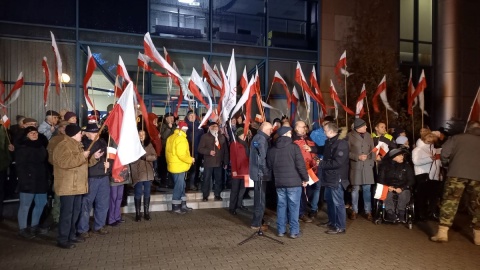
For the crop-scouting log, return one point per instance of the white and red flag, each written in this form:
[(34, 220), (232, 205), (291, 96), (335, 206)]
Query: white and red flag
[(58, 65), (300, 78), (212, 78), (295, 99), (336, 98), (46, 86), (277, 78), (153, 54), (381, 149), (411, 102), (15, 92), (318, 92), (197, 84), (122, 70), (244, 79), (122, 126), (143, 62), (91, 66), (475, 110), (6, 121), (167, 56), (246, 99), (381, 192), (360, 112), (419, 91), (312, 177), (382, 92), (342, 63)]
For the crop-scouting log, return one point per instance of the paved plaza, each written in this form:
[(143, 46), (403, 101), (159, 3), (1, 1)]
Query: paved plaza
[(208, 239)]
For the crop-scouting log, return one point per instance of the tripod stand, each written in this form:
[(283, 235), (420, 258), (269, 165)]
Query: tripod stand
[(261, 193)]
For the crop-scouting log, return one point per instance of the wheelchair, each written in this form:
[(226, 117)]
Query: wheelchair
[(381, 213)]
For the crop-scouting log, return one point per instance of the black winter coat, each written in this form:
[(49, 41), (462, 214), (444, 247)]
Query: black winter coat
[(258, 157), (286, 162), (99, 168), (31, 159), (207, 144), (334, 166), (397, 175)]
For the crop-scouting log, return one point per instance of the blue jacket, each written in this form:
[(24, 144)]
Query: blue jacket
[(334, 166)]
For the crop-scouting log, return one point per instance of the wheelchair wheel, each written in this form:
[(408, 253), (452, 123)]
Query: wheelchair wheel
[(378, 222)]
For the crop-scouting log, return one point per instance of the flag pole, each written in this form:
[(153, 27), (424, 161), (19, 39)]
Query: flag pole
[(471, 109), (386, 117), (413, 127), (422, 118), (96, 136), (269, 91), (346, 97), (368, 113)]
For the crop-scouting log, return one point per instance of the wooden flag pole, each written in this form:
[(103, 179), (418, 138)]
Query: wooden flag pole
[(413, 127), (368, 113), (471, 109), (269, 91), (346, 97), (386, 117)]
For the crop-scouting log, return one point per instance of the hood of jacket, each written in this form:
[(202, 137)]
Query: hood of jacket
[(283, 142)]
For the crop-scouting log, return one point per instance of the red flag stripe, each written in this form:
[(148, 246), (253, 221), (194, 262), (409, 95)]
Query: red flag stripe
[(46, 86), (91, 66)]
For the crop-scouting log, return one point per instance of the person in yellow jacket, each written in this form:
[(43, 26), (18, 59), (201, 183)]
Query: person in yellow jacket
[(179, 161)]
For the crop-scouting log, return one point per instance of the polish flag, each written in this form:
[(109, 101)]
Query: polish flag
[(122, 126), (318, 93), (197, 83), (342, 63), (248, 181), (381, 149), (118, 89), (111, 153), (58, 65), (212, 78), (300, 78), (359, 112), (410, 91), (295, 99), (475, 111), (382, 92), (246, 99), (15, 92), (122, 70), (336, 98), (143, 60), (244, 79), (153, 54), (46, 86), (278, 79), (167, 56), (381, 192), (6, 121), (91, 66), (192, 86), (312, 177), (419, 91)]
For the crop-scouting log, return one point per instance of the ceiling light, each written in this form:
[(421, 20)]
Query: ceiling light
[(186, 1)]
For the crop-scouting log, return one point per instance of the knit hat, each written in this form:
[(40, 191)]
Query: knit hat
[(182, 125), (72, 130), (358, 123), (283, 130), (401, 140), (69, 115), (28, 130), (239, 131), (395, 152)]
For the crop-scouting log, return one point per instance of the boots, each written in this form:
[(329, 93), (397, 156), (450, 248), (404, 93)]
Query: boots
[(442, 235), (177, 209), (185, 208), (146, 208), (138, 203), (476, 237)]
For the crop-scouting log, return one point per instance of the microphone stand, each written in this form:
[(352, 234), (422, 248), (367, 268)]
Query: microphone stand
[(259, 232)]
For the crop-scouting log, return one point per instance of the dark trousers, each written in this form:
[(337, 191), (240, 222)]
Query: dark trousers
[(216, 172), (194, 172), (162, 170), (258, 203), (3, 179), (70, 207), (421, 195), (236, 193)]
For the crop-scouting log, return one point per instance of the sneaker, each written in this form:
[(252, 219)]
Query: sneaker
[(280, 234), (25, 233), (254, 228), (114, 224), (101, 231), (66, 245), (77, 239), (84, 235), (295, 236), (218, 198), (39, 231), (305, 219)]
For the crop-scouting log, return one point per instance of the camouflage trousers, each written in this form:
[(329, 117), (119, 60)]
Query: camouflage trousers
[(452, 195)]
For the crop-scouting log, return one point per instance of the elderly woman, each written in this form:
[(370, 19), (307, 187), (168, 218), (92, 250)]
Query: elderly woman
[(426, 160), (31, 159), (142, 177), (398, 176)]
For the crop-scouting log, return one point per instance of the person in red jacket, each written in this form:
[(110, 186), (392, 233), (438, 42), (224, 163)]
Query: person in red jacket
[(239, 153)]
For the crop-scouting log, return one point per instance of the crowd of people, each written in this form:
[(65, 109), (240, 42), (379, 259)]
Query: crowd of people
[(293, 165)]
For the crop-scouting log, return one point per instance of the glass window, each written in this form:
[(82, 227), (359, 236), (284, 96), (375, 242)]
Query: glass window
[(425, 54), (292, 25), (240, 22), (425, 20), (406, 51), (179, 18), (120, 16), (406, 19), (60, 13)]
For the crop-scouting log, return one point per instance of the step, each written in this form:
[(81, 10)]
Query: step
[(163, 202)]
